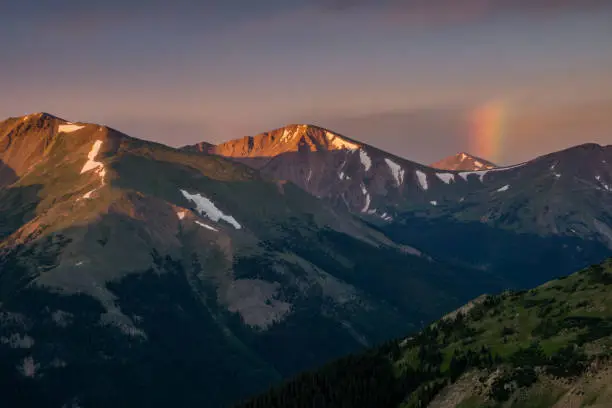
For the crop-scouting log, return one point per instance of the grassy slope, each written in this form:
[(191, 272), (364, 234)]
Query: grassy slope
[(518, 341)]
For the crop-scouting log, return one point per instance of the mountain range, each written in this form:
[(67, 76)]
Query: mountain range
[(208, 273), (557, 206), (128, 260)]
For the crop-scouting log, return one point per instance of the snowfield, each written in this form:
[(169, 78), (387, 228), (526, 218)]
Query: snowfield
[(209, 209)]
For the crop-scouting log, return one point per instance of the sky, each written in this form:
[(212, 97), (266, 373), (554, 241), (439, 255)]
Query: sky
[(503, 79)]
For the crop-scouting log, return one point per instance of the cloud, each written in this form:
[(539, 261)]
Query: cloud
[(454, 6), (201, 8), (93, 15), (141, 8), (75, 17), (464, 10)]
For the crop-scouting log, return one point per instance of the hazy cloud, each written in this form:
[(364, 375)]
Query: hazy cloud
[(210, 8), (426, 12), (454, 6), (99, 15)]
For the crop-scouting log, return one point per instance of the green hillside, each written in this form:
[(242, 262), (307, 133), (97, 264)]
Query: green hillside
[(536, 348)]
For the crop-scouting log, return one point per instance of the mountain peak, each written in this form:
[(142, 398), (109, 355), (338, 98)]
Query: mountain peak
[(311, 137), (288, 139), (463, 161), (40, 116)]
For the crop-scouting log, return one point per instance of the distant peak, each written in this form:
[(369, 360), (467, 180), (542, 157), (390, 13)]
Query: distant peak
[(463, 161)]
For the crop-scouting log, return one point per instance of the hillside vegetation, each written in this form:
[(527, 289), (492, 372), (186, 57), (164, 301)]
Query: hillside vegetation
[(549, 346)]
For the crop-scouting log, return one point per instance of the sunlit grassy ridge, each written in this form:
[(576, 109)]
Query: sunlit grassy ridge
[(513, 341)]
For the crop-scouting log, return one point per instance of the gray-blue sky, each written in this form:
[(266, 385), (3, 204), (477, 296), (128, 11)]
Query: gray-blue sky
[(403, 75)]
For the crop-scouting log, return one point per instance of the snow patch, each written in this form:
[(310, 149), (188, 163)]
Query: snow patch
[(92, 164), (69, 127), (604, 185), (422, 177), (434, 203), (396, 171), (478, 164), (201, 224), (208, 208), (309, 175), (339, 143), (286, 136), (364, 190), (88, 194), (365, 160), (557, 175), (504, 188), (386, 217), (446, 177), (465, 174)]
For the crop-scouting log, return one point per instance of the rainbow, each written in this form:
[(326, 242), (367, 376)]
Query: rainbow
[(486, 132)]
